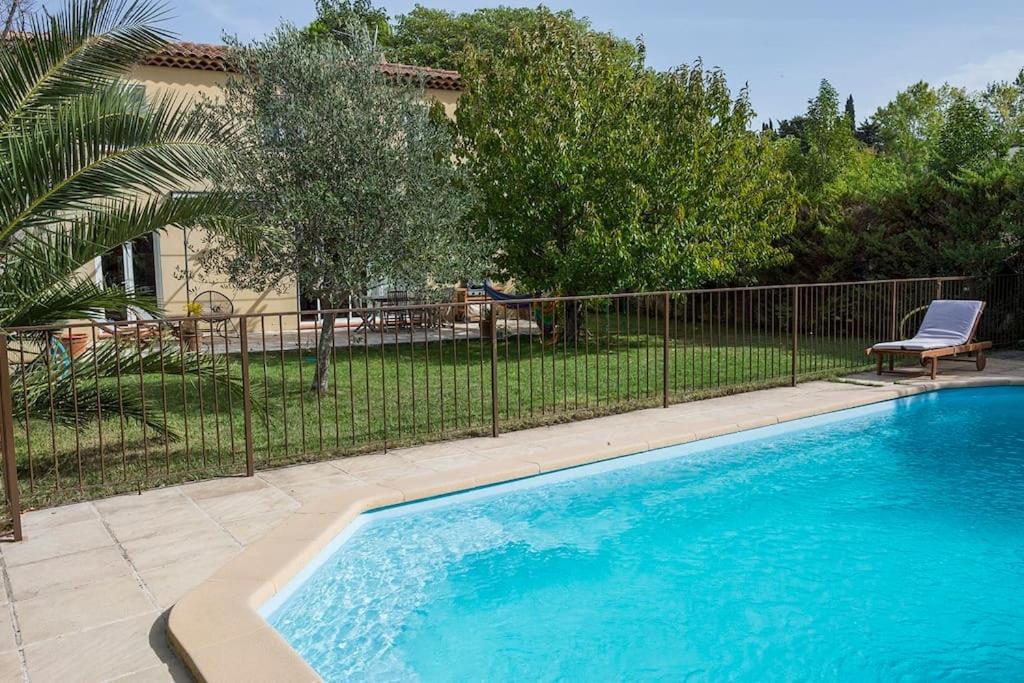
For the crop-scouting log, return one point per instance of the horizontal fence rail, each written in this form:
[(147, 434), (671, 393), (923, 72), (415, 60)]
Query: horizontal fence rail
[(91, 409)]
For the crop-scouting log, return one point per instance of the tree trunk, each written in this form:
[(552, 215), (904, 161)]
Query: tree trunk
[(323, 355), (573, 312)]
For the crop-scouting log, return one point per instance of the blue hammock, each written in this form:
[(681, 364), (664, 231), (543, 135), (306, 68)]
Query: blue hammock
[(544, 314), (508, 300)]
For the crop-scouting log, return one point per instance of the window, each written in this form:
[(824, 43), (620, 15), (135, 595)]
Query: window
[(134, 266)]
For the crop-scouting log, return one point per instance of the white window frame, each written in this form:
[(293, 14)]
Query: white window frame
[(128, 265)]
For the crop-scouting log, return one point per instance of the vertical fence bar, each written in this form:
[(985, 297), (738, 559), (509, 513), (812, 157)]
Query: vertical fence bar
[(493, 324), (7, 425), (243, 340), (794, 296), (664, 351), (892, 319)]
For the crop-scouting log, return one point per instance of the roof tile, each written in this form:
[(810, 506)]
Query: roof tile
[(206, 57)]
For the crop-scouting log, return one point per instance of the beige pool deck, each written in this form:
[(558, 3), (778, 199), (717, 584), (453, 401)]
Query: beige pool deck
[(87, 595)]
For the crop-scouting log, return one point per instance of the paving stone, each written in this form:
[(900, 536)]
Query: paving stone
[(156, 551), (171, 672), (39, 520), (218, 488), (287, 476), (431, 451), (66, 572), (10, 667), (455, 461), (361, 464), (141, 516), (58, 540), (247, 503), (168, 583), (7, 640), (101, 653), (58, 614), (400, 470), (252, 528)]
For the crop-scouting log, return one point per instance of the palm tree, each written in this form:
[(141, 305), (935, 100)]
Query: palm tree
[(85, 166)]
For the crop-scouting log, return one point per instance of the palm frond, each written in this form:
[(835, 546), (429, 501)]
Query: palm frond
[(72, 52), (70, 298), (72, 392), (103, 147), (80, 238)]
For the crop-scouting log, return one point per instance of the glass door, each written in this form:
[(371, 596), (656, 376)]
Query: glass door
[(132, 266)]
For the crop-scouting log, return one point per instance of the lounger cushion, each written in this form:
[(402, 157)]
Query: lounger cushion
[(950, 319), (947, 323), (918, 344)]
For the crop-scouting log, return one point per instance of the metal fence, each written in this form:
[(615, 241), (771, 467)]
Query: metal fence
[(93, 409)]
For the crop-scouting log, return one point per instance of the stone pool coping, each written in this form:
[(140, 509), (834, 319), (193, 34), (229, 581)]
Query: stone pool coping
[(218, 632)]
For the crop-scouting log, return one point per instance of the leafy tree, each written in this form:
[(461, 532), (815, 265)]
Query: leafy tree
[(824, 152), (335, 18), (347, 171), (86, 165), (1004, 103), (868, 133), (720, 196), (851, 113), (908, 126), (971, 224), (794, 128), (443, 39), (599, 175), (939, 192), (827, 144), (966, 135)]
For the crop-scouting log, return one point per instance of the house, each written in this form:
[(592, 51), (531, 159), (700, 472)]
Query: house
[(160, 263)]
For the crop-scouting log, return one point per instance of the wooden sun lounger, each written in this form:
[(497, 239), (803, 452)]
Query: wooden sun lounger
[(930, 357)]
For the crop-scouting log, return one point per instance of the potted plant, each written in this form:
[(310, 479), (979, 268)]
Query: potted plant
[(189, 329)]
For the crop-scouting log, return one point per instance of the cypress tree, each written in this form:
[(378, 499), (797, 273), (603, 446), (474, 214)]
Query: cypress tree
[(851, 113)]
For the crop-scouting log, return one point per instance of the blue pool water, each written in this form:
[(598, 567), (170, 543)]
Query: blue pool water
[(883, 543)]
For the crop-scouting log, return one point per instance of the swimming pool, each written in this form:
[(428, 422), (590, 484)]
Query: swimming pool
[(881, 542)]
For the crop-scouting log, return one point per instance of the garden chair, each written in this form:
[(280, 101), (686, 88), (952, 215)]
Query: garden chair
[(949, 329), (142, 327)]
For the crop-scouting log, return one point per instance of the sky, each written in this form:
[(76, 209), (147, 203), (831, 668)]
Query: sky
[(782, 49)]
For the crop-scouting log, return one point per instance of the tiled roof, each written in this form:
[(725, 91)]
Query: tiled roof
[(190, 56), (205, 57), (438, 79)]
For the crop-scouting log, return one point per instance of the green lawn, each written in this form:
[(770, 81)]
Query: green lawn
[(399, 394)]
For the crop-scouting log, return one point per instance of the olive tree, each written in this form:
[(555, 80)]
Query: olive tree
[(351, 175)]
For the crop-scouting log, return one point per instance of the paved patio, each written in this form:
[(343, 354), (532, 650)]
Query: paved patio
[(86, 594)]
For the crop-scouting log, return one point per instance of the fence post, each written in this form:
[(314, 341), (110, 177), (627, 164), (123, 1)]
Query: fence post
[(938, 288), (243, 340), (794, 296), (7, 439), (664, 365), (493, 326)]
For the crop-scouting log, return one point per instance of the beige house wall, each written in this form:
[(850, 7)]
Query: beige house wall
[(172, 292)]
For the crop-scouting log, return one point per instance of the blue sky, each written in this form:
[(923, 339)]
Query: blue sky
[(871, 48)]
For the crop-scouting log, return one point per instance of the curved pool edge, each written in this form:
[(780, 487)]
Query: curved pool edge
[(217, 628)]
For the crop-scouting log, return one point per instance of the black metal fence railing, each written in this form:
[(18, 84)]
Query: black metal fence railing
[(92, 409)]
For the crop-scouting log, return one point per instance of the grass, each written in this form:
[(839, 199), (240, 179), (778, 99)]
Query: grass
[(402, 394)]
